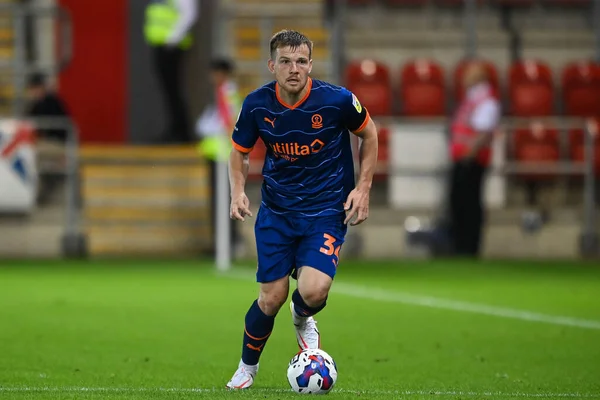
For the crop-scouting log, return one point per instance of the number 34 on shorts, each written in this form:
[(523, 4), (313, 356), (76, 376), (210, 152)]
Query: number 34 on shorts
[(329, 248)]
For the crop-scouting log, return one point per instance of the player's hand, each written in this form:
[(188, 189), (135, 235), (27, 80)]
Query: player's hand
[(240, 207), (357, 205)]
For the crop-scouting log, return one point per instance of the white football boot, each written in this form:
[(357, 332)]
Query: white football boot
[(307, 333), (243, 377)]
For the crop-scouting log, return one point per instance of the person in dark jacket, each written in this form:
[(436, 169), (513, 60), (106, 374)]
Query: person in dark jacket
[(44, 103)]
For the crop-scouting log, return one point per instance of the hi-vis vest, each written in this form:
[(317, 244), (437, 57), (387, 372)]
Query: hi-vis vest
[(217, 145), (463, 133), (161, 18)]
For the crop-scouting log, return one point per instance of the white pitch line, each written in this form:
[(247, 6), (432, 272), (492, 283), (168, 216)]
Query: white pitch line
[(265, 390), (371, 293), (455, 305)]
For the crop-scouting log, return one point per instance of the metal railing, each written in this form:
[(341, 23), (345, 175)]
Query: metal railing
[(72, 240)]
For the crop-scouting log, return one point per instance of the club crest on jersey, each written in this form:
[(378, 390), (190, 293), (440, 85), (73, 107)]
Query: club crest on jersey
[(317, 121), (356, 103)]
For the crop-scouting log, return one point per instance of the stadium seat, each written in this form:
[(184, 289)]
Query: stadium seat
[(581, 89), (381, 173), (577, 145), (370, 82), (422, 89), (459, 72), (530, 88), (538, 144)]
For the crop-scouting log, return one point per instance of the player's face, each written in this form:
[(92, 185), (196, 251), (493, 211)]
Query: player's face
[(291, 68)]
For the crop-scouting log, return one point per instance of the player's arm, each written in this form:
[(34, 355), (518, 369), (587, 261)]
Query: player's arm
[(243, 139), (238, 173), (359, 122), (239, 163), (367, 155)]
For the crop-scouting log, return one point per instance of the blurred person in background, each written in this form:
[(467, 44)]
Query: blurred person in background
[(472, 131), (167, 30), (44, 102), (214, 129)]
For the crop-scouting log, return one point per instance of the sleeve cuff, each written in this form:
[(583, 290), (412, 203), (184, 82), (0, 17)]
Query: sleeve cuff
[(365, 122), (241, 149)]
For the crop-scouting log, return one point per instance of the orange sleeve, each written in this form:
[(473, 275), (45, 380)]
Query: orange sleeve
[(365, 122), (241, 149)]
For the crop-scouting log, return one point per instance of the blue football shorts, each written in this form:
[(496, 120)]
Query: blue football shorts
[(285, 243)]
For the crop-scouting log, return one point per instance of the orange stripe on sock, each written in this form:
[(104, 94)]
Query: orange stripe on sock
[(255, 338)]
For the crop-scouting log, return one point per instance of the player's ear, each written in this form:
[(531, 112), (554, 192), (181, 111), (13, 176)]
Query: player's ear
[(271, 65), (310, 66)]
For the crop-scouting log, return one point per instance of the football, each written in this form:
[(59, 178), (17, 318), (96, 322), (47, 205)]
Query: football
[(312, 371)]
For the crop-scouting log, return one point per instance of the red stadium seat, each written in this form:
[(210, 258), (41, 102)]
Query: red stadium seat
[(257, 158), (581, 89), (381, 173), (530, 88), (539, 144), (423, 89), (459, 71), (577, 145), (370, 82)]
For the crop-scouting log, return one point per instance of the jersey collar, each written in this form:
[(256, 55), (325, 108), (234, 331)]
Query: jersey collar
[(299, 102)]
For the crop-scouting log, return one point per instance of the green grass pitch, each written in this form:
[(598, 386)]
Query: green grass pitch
[(397, 330)]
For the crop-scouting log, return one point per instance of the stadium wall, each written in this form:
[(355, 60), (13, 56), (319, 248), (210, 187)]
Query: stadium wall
[(110, 84), (95, 83)]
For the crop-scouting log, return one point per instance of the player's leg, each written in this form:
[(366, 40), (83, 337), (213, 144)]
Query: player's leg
[(318, 254), (258, 326), (307, 300), (276, 249)]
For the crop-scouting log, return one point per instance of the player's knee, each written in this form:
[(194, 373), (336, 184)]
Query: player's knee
[(315, 296), (271, 302)]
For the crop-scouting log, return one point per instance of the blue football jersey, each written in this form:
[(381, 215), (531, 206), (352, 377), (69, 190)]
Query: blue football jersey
[(309, 168)]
